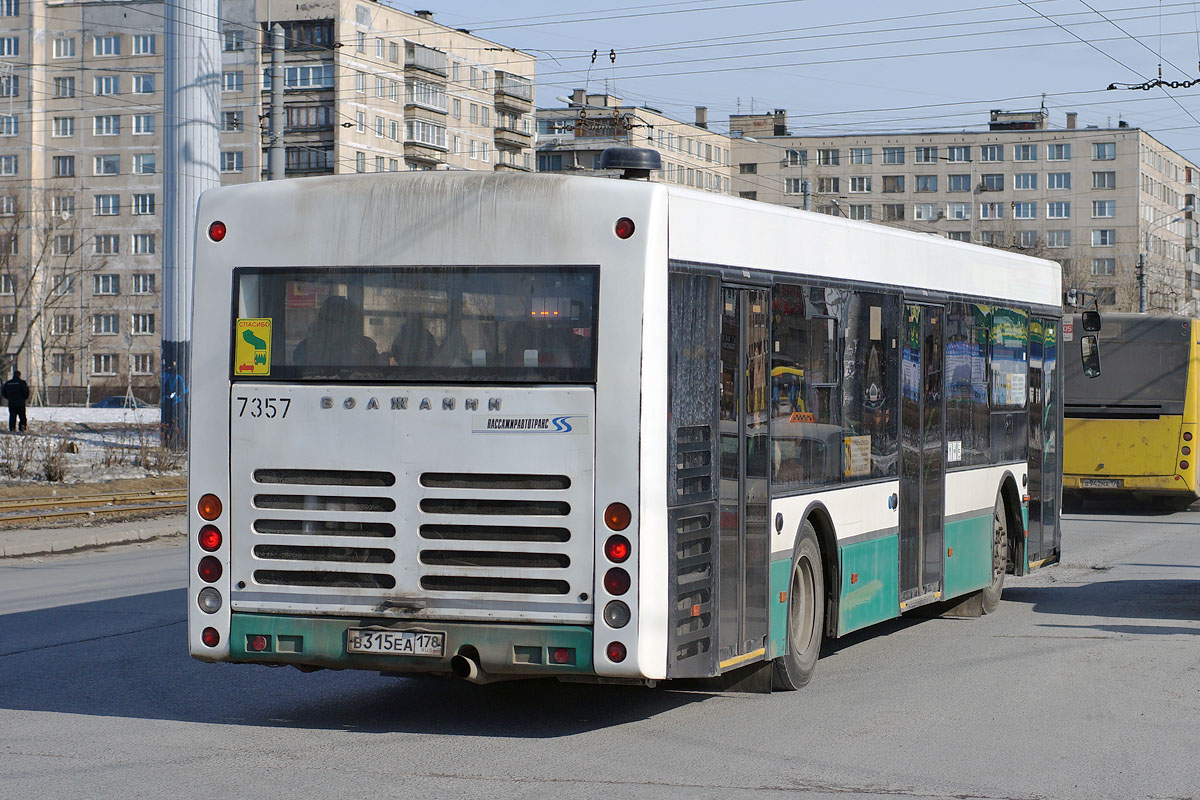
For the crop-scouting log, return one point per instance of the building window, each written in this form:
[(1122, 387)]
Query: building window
[(143, 44), (8, 284), (143, 244), (958, 210), (231, 121), (64, 126), (231, 81), (143, 84), (62, 363), (1060, 209), (231, 161), (144, 164), (1058, 238), (104, 364), (9, 165), (958, 152), (793, 185), (106, 244), (958, 183), (1104, 237), (893, 155), (379, 127), (829, 157), (143, 124), (143, 283), (143, 324), (64, 87), (1104, 208), (381, 163), (1106, 295), (107, 125), (991, 211), (829, 185), (360, 82), (107, 284), (927, 183), (62, 324), (107, 45), (893, 212), (64, 47), (925, 212), (1104, 266), (143, 364), (861, 212), (8, 205), (991, 152), (107, 205), (107, 84), (1104, 151), (64, 166), (925, 155), (143, 203), (860, 183), (107, 164), (1027, 239), (992, 182), (233, 40), (893, 183), (360, 161), (1058, 180), (1104, 180), (1025, 210), (428, 133), (1025, 180), (8, 125), (63, 244), (105, 323), (796, 158), (747, 169), (860, 155), (63, 206), (10, 86), (959, 236), (1058, 152), (1024, 152)]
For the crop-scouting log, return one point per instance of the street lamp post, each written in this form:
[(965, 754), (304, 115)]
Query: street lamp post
[(1141, 265)]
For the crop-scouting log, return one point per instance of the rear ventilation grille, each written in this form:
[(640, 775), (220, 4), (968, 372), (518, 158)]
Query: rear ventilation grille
[(312, 502), (469, 480), (693, 540), (324, 477), (324, 580), (448, 583), (307, 527), (494, 533), (489, 558), (350, 555), (513, 508)]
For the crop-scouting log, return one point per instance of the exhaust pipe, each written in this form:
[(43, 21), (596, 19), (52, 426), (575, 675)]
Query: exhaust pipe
[(467, 668)]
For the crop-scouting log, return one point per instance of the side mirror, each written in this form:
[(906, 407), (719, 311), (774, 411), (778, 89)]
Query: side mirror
[(1091, 321), (1090, 350)]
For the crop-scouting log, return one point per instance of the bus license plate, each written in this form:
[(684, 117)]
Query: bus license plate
[(1102, 483), (397, 643)]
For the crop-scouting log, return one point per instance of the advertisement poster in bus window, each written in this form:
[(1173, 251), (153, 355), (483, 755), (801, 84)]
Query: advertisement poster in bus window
[(252, 347), (910, 355)]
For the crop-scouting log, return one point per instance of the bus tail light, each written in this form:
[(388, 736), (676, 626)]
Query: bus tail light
[(1187, 436), (617, 516), (211, 637), (616, 614), (209, 600), (209, 507), (210, 538), (617, 549), (624, 228), (615, 652), (258, 643), (1187, 451), (216, 231), (1183, 465), (209, 569), (616, 581)]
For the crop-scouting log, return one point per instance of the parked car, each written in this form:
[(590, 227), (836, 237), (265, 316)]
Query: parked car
[(121, 401)]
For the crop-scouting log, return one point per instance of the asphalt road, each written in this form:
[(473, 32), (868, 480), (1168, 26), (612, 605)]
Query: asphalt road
[(1085, 684)]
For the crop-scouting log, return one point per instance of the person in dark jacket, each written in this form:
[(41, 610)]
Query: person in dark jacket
[(16, 392)]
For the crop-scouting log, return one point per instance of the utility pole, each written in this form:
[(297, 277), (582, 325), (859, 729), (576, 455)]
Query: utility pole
[(1141, 278), (275, 155), (191, 149)]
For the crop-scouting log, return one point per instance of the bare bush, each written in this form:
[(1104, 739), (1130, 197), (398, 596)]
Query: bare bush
[(52, 459), (17, 451)]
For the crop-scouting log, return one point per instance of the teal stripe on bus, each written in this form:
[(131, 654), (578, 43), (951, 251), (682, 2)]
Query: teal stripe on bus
[(870, 590), (968, 555)]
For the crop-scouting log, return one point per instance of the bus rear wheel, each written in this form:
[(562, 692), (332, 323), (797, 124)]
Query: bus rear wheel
[(805, 615), (991, 595)]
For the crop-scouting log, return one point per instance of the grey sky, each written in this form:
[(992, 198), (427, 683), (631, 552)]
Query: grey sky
[(864, 64)]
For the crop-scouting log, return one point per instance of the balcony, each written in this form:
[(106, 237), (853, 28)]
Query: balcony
[(513, 92), (508, 137), (418, 56), (424, 153)]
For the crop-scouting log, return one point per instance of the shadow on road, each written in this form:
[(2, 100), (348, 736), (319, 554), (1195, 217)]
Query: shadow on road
[(128, 658), (1138, 599)]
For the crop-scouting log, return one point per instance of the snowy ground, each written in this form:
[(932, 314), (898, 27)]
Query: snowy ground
[(77, 445)]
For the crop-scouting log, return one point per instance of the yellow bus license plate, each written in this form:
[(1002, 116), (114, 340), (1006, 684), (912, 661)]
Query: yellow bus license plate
[(1102, 483), (397, 643)]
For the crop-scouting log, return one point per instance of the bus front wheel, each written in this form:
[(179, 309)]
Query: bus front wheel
[(805, 614), (991, 595)]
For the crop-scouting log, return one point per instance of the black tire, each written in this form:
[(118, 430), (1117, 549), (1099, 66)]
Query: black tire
[(991, 595), (805, 614)]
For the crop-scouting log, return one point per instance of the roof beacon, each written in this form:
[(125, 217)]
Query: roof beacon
[(636, 162)]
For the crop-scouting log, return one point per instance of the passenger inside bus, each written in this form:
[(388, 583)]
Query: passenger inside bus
[(336, 338), (413, 346)]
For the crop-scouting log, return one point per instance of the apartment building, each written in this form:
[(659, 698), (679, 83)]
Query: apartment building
[(571, 139), (1098, 200), (367, 88)]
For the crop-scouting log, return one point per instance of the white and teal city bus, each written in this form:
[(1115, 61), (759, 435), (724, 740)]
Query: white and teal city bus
[(508, 425)]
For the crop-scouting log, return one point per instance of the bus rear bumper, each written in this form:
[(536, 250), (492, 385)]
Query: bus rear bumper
[(509, 651), (1164, 484)]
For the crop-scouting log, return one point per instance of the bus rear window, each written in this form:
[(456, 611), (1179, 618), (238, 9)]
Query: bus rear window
[(445, 324)]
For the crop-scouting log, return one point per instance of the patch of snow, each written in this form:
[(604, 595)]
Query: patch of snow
[(91, 416)]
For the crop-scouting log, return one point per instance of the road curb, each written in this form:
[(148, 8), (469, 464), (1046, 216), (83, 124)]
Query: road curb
[(60, 541)]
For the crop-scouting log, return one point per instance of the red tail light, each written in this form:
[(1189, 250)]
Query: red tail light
[(210, 538), (258, 643), (216, 231), (615, 652), (617, 549), (211, 637), (624, 228), (209, 507), (209, 569), (616, 581)]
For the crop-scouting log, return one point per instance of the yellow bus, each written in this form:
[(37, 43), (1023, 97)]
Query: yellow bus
[(1132, 430)]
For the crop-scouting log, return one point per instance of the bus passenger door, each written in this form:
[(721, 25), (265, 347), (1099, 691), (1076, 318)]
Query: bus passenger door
[(744, 443), (923, 455), (1045, 433)]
